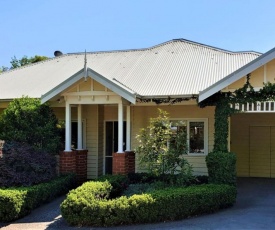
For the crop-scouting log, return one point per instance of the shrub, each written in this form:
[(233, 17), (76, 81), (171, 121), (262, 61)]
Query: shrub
[(22, 165), (18, 202), (119, 183), (161, 151), (221, 167), (26, 120), (83, 208)]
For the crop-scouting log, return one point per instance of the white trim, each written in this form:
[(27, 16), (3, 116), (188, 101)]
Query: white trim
[(68, 128), (79, 128), (128, 128), (84, 122), (120, 128), (128, 94), (61, 87), (206, 144), (122, 91), (238, 74)]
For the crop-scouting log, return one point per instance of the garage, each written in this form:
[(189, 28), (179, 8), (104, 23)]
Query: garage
[(252, 138)]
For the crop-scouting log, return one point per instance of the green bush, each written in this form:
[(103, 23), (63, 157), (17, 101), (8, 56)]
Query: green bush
[(119, 183), (221, 168), (20, 201), (26, 120), (82, 206)]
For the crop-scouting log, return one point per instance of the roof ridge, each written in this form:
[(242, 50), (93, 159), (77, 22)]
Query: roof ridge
[(167, 42), (214, 47)]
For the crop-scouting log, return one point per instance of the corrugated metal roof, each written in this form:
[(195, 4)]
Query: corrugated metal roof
[(176, 67)]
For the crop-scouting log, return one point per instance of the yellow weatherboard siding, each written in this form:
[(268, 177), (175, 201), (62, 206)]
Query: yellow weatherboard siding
[(270, 71), (257, 77), (253, 141), (85, 85)]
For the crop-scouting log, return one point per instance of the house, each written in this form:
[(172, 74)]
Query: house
[(106, 97)]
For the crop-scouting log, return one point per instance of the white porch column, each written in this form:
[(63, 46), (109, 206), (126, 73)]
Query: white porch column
[(68, 128), (120, 128), (128, 129), (79, 128)]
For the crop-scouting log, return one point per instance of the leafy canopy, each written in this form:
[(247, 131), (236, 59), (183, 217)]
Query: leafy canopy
[(15, 63), (25, 120)]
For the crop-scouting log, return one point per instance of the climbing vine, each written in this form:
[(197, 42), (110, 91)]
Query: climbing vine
[(222, 101)]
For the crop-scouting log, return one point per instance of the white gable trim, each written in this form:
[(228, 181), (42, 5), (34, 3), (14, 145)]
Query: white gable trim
[(238, 74), (120, 90), (61, 87)]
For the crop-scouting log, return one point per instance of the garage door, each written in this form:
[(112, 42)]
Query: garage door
[(252, 138), (261, 151)]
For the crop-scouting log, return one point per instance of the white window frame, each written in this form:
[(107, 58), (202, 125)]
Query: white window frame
[(188, 120)]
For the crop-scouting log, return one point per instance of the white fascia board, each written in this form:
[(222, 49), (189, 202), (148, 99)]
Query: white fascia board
[(122, 91), (61, 87), (238, 74)]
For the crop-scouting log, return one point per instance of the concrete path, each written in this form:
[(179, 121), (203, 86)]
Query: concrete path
[(255, 209)]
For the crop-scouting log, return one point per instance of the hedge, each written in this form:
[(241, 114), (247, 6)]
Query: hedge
[(221, 168), (89, 205), (19, 201)]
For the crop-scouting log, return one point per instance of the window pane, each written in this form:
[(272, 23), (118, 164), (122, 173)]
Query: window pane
[(196, 134), (178, 126), (179, 130)]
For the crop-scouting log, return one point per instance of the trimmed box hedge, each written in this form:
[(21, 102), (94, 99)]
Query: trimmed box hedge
[(221, 168), (19, 201), (88, 205)]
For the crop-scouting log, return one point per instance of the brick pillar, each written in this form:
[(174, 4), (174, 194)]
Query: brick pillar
[(81, 165), (67, 162), (131, 161), (123, 163), (75, 162)]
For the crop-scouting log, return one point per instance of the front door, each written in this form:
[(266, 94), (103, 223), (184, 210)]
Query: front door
[(111, 143)]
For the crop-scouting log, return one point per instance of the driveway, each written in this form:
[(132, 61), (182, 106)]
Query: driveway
[(255, 209)]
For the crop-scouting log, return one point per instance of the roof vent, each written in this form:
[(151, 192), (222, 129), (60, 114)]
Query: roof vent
[(58, 53)]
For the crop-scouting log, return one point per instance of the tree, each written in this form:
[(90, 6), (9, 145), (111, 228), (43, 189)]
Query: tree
[(3, 69), (15, 63), (160, 151), (25, 120)]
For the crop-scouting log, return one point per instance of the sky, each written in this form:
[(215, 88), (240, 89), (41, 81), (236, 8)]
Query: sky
[(40, 27)]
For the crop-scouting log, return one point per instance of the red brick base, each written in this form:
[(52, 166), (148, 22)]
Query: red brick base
[(75, 162), (123, 163), (67, 162), (81, 165)]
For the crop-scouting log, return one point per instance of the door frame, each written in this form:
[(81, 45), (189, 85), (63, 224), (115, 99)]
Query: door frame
[(104, 140)]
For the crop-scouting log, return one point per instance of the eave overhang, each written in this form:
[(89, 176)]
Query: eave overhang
[(238, 74)]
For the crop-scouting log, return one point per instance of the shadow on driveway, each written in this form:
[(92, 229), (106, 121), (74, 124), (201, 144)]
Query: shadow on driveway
[(254, 209)]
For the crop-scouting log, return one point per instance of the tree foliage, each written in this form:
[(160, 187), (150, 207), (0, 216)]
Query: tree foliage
[(23, 165), (25, 120), (160, 151), (15, 63)]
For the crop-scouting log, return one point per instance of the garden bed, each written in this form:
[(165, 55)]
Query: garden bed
[(99, 203)]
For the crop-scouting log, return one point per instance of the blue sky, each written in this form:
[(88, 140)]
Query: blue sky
[(39, 27)]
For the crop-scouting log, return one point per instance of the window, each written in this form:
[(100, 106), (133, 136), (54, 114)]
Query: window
[(74, 134), (196, 134)]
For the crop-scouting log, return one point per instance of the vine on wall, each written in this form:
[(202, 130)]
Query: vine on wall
[(222, 101)]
